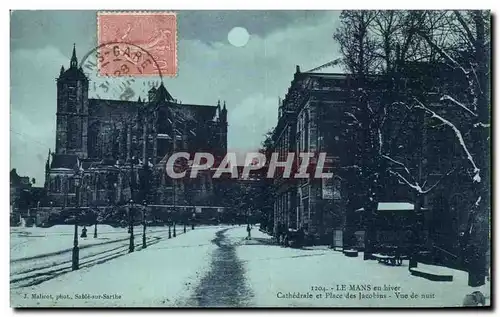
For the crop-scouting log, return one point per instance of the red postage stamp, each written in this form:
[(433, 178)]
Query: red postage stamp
[(137, 43)]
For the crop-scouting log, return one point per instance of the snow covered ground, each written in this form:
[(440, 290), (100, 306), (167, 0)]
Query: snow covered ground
[(40, 254), (31, 242), (273, 272), (155, 276), (211, 266)]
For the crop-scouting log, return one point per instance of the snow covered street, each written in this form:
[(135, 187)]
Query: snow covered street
[(39, 254), (324, 278), (209, 266)]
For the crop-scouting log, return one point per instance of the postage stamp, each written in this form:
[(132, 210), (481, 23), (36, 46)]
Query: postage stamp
[(134, 33)]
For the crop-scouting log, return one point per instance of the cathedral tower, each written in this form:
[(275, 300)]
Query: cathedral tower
[(72, 110), (223, 126)]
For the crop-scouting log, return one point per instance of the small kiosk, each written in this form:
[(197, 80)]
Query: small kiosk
[(397, 230)]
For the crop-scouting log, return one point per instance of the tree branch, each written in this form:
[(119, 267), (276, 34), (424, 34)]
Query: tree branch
[(381, 125), (442, 52), (447, 97), (398, 163), (465, 26), (414, 186), (481, 124), (477, 79), (458, 134), (352, 116), (439, 181)]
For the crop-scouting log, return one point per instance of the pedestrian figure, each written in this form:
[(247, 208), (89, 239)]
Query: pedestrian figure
[(84, 232), (286, 238), (353, 243), (249, 232), (284, 230), (300, 237)]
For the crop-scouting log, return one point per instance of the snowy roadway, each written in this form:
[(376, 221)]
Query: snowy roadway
[(38, 255), (210, 266)]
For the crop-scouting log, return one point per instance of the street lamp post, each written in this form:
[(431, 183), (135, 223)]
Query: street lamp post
[(248, 224), (97, 217), (76, 250), (169, 230), (175, 206), (87, 188), (184, 218), (131, 211), (145, 204), (95, 229), (192, 220), (131, 246), (37, 211)]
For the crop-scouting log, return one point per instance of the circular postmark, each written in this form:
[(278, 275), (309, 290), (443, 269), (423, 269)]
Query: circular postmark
[(114, 70)]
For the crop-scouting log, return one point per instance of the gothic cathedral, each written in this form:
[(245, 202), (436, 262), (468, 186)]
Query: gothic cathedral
[(114, 151)]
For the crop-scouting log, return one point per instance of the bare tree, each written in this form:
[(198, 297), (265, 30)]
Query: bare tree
[(468, 52), (383, 43), (459, 40), (358, 50), (356, 45)]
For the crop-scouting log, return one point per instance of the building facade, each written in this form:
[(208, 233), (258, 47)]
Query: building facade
[(118, 149), (315, 117), (309, 120)]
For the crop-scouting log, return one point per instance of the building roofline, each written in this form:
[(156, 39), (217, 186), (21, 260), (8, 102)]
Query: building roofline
[(145, 103), (116, 100), (193, 105)]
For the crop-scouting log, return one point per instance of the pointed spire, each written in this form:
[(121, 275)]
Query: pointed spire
[(163, 94), (62, 70), (223, 113), (47, 163), (74, 61), (139, 100), (218, 103)]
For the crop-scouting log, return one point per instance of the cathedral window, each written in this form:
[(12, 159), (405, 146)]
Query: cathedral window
[(100, 182), (57, 184), (74, 133), (306, 130), (110, 181), (65, 185), (71, 186), (71, 98)]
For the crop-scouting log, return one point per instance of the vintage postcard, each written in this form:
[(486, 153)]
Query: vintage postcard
[(250, 159)]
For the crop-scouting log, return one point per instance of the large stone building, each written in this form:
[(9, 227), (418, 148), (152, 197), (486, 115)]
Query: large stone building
[(312, 117), (308, 121), (119, 148)]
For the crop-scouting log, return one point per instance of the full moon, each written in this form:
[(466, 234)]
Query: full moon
[(238, 36)]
